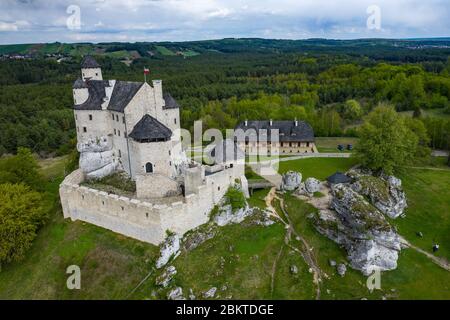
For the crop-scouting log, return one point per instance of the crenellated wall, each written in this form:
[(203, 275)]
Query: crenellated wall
[(141, 219)]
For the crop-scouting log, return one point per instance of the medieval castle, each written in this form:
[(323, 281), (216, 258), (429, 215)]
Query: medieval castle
[(133, 128)]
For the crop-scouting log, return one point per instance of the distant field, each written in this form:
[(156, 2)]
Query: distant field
[(329, 144), (164, 51)]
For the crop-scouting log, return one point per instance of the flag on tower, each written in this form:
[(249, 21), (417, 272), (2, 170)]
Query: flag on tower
[(146, 72)]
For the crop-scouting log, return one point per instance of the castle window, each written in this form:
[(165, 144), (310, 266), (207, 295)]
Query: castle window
[(146, 215), (307, 144), (113, 116), (169, 152), (120, 153), (118, 132), (115, 132), (123, 119), (90, 117), (148, 167), (96, 73), (170, 163), (84, 129), (123, 208), (175, 120), (117, 118), (103, 202)]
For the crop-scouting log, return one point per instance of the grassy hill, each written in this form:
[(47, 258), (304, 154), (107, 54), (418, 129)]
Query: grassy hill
[(244, 261)]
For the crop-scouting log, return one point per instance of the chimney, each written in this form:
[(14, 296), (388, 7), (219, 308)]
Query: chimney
[(245, 122), (296, 122), (270, 122)]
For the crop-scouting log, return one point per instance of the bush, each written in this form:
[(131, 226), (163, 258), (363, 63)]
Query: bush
[(21, 215), (235, 198)]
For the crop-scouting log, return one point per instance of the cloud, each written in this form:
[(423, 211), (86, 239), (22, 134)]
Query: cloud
[(13, 26), (177, 20)]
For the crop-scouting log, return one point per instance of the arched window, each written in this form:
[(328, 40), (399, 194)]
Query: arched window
[(148, 167)]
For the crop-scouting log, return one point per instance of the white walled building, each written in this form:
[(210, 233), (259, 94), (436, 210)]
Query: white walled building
[(141, 123), (133, 127)]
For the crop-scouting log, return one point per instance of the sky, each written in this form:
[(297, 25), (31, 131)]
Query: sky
[(38, 21)]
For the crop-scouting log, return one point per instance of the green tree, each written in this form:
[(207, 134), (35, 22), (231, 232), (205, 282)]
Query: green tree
[(385, 140), (21, 214), (352, 110), (22, 168)]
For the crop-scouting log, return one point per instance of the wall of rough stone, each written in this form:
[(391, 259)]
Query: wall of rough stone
[(140, 219), (92, 74)]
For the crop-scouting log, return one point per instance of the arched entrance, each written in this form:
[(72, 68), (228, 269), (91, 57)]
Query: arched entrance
[(148, 167)]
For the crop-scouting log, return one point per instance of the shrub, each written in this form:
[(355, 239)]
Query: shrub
[(235, 198), (21, 215)]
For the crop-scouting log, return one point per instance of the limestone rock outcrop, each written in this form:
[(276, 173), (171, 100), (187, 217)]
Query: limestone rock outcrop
[(96, 158), (227, 216), (371, 243), (291, 180), (385, 193), (169, 248), (312, 185)]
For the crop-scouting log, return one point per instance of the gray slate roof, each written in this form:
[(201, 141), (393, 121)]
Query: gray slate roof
[(339, 177), (170, 102), (79, 84), (288, 131), (97, 93), (148, 129), (89, 62), (122, 94)]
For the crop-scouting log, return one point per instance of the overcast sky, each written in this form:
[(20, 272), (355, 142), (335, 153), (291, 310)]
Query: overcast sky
[(31, 21)]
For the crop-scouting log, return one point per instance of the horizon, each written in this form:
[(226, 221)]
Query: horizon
[(443, 38), (101, 21)]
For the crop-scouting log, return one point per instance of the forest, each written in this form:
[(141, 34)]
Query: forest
[(332, 85)]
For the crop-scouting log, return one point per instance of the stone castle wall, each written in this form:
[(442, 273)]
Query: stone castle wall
[(141, 219)]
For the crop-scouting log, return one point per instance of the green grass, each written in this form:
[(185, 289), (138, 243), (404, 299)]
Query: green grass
[(240, 257), (415, 278), (111, 264), (329, 144), (319, 168), (190, 53), (164, 51), (428, 195)]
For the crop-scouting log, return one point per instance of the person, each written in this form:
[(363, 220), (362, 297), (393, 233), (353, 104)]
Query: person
[(435, 247)]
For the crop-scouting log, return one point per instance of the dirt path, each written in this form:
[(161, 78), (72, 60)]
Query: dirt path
[(274, 270), (443, 263), (306, 250)]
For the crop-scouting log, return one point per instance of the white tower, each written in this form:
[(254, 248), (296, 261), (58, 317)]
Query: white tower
[(90, 69)]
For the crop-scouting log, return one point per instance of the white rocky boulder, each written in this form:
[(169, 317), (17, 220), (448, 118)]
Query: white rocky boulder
[(291, 180), (169, 248), (96, 158), (165, 278), (226, 215), (312, 185), (371, 243), (176, 294), (210, 293), (385, 193)]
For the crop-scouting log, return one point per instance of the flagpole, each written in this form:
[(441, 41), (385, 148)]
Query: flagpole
[(145, 74)]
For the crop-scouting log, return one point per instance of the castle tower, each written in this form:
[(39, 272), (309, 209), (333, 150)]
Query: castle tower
[(90, 69)]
